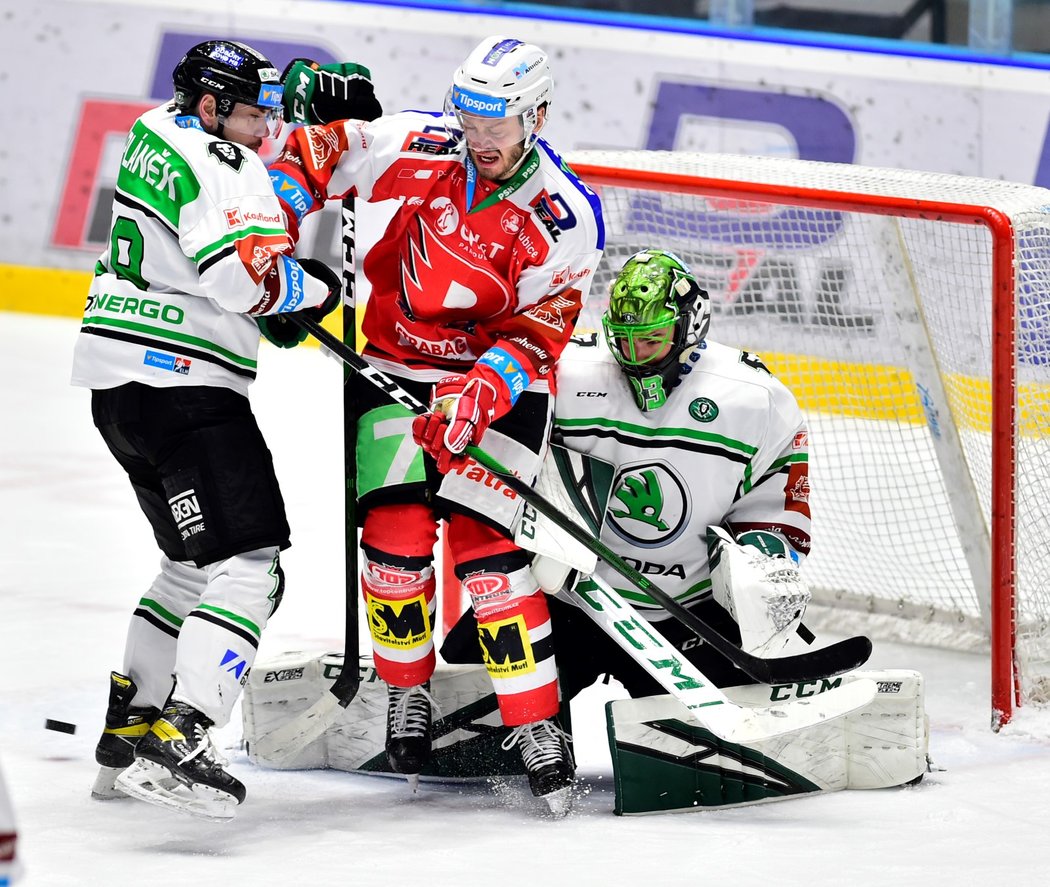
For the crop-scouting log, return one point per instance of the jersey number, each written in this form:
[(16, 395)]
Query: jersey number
[(125, 252)]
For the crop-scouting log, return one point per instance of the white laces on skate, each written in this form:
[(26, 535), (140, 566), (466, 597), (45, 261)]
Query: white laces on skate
[(540, 743), (205, 748), (412, 711)]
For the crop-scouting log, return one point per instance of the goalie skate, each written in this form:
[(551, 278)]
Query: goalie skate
[(176, 766)]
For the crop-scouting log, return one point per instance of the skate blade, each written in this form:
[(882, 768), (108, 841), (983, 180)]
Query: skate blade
[(156, 785), (104, 787), (559, 802), (413, 781)]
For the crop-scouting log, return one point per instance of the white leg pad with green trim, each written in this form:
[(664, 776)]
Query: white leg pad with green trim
[(468, 731), (663, 762)]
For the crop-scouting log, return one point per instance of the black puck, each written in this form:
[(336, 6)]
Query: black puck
[(60, 726)]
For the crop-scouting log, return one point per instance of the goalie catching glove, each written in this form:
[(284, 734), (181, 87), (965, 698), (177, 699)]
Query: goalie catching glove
[(757, 580), (282, 332), (316, 93), (461, 409)]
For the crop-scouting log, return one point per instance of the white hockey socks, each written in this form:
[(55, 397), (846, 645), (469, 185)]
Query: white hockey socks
[(220, 636)]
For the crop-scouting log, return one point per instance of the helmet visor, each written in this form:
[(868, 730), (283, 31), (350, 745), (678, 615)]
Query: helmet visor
[(253, 121), (482, 121)]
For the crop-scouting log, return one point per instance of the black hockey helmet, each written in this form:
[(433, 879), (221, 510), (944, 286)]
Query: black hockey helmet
[(232, 72)]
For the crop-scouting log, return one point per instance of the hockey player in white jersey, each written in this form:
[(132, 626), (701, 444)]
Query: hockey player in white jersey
[(710, 457), (711, 460), (198, 262)]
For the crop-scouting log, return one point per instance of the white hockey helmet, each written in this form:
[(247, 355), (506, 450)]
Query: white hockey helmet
[(502, 79)]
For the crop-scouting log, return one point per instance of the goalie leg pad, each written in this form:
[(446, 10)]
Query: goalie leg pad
[(468, 732), (663, 761)]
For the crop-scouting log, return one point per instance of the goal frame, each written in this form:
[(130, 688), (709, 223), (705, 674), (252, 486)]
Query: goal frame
[(1005, 679)]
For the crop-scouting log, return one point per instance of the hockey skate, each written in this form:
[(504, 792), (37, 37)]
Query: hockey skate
[(544, 748), (409, 716), (125, 726), (176, 765)]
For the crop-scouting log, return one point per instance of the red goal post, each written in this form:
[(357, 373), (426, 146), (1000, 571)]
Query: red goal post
[(910, 314)]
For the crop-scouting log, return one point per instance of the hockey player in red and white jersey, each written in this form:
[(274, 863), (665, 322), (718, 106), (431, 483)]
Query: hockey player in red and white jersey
[(476, 284)]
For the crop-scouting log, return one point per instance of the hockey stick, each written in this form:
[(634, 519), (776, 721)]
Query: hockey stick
[(310, 724), (812, 665), (707, 704)]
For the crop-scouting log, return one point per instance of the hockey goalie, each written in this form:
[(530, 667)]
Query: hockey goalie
[(688, 461)]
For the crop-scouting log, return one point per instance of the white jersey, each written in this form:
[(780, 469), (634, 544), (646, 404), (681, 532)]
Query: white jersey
[(197, 243), (730, 447)]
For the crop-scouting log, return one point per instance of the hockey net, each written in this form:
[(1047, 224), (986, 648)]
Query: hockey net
[(910, 314)]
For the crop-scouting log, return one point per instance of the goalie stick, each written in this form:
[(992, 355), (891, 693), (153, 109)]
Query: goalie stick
[(707, 704), (812, 665), (309, 725)]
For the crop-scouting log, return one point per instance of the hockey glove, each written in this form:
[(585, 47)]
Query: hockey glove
[(756, 579), (316, 93), (461, 408), (281, 331)]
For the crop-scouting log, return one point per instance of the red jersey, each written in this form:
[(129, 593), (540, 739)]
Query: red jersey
[(467, 269)]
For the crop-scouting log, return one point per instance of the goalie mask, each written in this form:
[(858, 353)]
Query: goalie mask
[(497, 93), (234, 74), (657, 315)]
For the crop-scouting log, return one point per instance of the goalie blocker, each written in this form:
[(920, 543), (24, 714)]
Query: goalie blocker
[(663, 760)]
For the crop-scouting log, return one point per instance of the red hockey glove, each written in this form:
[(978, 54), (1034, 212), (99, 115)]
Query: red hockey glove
[(461, 408)]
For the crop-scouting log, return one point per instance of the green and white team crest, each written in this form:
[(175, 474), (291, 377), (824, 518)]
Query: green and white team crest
[(650, 504), (703, 409)]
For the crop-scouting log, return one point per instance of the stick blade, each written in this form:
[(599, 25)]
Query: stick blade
[(292, 737), (813, 665)]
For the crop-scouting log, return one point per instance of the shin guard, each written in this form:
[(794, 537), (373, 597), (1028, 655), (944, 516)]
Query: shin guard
[(400, 603)]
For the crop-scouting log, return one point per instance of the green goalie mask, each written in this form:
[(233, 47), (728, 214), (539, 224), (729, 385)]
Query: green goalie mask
[(657, 315)]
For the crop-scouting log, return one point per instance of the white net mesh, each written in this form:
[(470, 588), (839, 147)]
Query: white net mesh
[(865, 294)]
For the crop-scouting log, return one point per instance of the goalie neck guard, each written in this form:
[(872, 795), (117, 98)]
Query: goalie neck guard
[(657, 315)]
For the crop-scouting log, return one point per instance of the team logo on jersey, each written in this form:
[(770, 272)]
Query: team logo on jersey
[(800, 440), (703, 409), (431, 271), (228, 154), (447, 220), (322, 143), (650, 505), (511, 222), (552, 311)]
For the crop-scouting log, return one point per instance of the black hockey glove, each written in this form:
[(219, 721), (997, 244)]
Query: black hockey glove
[(281, 331), (316, 93)]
